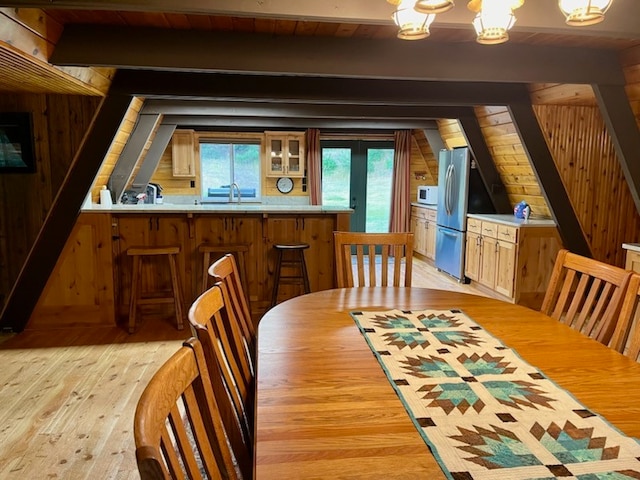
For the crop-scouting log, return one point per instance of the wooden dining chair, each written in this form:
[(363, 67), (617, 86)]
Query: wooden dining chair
[(626, 337), (220, 339), (178, 429), (586, 294), (375, 255), (225, 272)]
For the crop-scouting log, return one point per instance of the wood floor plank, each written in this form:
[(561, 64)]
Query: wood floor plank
[(68, 396)]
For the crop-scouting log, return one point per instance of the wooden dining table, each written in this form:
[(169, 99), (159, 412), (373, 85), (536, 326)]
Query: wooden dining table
[(326, 410)]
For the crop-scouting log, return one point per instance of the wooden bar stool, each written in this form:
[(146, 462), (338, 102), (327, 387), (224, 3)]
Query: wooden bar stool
[(137, 296), (237, 250), (295, 260)]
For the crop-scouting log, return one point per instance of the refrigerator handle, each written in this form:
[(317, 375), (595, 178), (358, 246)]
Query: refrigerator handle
[(449, 191)]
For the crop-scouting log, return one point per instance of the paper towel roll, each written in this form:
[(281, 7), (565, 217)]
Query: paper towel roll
[(105, 197)]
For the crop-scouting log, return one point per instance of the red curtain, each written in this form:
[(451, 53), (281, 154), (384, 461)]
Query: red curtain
[(400, 220), (314, 172)]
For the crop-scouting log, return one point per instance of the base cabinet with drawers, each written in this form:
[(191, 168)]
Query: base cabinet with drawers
[(423, 226), (513, 260)]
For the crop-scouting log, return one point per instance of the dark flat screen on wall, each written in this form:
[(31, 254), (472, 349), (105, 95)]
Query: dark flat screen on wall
[(16, 143)]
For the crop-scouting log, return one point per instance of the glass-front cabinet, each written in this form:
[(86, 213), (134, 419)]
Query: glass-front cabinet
[(284, 156)]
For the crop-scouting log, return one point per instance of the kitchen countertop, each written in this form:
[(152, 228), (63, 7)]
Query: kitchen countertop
[(246, 208), (422, 205), (631, 246), (511, 220)]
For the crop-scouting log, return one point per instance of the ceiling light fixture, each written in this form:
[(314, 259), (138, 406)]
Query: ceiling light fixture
[(412, 25), (433, 6), (493, 18), (581, 13)]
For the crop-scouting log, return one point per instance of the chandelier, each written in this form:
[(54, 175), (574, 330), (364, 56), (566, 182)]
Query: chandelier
[(493, 20)]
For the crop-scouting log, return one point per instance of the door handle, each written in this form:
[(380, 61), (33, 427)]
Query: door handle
[(353, 203)]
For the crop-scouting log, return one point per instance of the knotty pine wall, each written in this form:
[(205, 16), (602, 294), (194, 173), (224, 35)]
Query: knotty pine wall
[(59, 125)]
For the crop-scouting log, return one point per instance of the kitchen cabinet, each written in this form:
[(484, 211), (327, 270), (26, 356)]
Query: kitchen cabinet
[(513, 260), (423, 226), (183, 153), (632, 257), (284, 154)]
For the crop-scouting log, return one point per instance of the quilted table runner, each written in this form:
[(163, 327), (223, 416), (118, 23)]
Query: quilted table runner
[(484, 412)]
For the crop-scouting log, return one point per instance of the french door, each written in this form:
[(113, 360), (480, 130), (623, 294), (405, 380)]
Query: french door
[(359, 174)]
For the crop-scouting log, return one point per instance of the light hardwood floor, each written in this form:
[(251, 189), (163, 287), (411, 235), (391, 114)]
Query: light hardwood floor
[(68, 396)]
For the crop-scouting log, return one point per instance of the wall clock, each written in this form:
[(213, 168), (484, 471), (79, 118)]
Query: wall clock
[(284, 184)]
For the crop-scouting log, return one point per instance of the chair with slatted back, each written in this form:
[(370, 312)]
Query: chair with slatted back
[(178, 429), (225, 272), (586, 294), (373, 269), (220, 339), (626, 338)]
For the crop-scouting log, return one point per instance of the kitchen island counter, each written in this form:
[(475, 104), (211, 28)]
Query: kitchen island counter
[(217, 208), (512, 221)]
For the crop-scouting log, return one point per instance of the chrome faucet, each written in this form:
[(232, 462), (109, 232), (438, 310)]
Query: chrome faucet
[(234, 184)]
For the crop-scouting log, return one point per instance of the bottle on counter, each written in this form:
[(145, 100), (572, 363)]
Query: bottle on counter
[(105, 197)]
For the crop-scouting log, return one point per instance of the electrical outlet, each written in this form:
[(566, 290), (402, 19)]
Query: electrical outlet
[(193, 184)]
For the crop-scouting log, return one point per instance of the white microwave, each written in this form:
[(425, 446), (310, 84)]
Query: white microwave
[(428, 194)]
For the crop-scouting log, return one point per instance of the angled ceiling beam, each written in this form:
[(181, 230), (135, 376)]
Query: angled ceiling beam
[(621, 21), (256, 53), (310, 90), (131, 152), (159, 144), (63, 213), (624, 133), (546, 172), (484, 162)]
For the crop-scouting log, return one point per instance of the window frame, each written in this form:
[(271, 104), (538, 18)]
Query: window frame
[(233, 139)]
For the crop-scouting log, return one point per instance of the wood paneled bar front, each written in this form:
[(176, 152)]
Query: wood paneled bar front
[(93, 274)]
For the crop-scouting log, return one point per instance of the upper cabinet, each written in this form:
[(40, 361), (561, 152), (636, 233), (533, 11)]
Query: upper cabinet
[(284, 155), (184, 153)]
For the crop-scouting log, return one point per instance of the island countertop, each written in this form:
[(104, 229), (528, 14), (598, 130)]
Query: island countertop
[(233, 208), (511, 220)]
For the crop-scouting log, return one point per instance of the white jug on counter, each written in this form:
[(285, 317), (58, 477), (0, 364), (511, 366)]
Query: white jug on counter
[(105, 197)]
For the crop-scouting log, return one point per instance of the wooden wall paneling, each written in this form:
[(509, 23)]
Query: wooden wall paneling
[(510, 159), (62, 215), (593, 178), (562, 94), (120, 140), (451, 133), (25, 199), (80, 290), (547, 174), (484, 162), (624, 133), (421, 167)]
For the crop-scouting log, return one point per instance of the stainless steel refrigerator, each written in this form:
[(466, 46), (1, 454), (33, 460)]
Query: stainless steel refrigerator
[(460, 191)]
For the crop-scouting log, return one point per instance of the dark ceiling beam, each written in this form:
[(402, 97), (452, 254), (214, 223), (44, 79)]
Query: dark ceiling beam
[(545, 169), (151, 160), (484, 162), (63, 213), (255, 53), (310, 90), (294, 110), (624, 133), (223, 122), (621, 20), (128, 159)]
